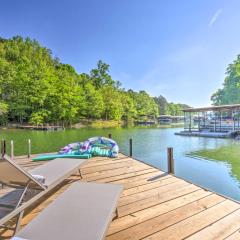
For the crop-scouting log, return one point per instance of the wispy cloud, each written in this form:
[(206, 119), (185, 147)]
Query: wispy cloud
[(215, 17)]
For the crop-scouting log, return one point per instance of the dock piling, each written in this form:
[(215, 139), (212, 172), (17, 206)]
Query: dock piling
[(130, 147), (29, 148), (110, 135), (12, 149), (170, 160), (3, 147)]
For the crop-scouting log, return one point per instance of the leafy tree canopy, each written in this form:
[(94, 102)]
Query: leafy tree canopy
[(35, 87), (230, 92)]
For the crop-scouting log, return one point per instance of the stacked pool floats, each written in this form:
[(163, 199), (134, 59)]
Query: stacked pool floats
[(95, 146)]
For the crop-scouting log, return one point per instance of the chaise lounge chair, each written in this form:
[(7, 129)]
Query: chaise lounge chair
[(12, 175), (84, 211)]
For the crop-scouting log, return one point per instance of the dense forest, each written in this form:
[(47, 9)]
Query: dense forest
[(230, 92), (37, 88)]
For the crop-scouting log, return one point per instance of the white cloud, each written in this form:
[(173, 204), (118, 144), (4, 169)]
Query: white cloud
[(215, 17)]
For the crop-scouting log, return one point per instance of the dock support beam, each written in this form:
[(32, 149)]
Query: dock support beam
[(130, 147), (110, 136), (170, 160), (29, 148)]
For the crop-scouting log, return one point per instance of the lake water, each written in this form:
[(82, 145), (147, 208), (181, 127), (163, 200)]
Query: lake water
[(149, 145)]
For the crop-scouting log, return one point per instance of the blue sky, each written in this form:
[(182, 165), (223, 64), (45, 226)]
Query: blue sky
[(179, 49)]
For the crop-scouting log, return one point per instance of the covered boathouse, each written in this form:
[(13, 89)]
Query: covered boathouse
[(214, 121)]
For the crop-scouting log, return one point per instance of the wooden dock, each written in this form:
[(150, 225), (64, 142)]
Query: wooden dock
[(42, 127), (154, 205)]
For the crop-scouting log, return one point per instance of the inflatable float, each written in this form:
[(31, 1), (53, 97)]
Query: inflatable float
[(53, 156), (95, 146)]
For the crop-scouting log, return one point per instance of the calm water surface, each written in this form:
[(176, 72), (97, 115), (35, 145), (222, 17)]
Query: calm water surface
[(149, 145)]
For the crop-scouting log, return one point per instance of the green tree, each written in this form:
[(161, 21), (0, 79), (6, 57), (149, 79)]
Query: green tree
[(35, 87), (129, 110), (93, 102), (174, 109), (113, 108), (162, 104), (145, 105), (100, 76), (230, 93)]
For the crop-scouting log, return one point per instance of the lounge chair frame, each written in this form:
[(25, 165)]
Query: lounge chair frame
[(32, 183), (92, 222)]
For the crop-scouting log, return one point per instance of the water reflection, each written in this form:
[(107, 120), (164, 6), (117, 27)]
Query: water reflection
[(149, 144)]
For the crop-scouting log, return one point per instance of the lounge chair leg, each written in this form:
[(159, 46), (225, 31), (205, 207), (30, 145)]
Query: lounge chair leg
[(19, 218), (80, 174), (23, 194), (116, 214)]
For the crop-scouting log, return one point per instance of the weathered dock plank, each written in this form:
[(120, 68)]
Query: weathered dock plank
[(220, 229), (234, 236), (153, 205), (196, 222)]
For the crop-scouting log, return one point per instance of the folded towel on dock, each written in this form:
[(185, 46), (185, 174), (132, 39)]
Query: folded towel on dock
[(39, 178)]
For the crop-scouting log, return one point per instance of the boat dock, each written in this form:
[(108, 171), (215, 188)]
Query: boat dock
[(153, 205), (215, 121)]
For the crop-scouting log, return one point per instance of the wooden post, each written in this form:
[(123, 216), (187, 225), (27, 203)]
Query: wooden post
[(215, 122), (220, 121), (110, 135), (3, 147), (130, 147), (185, 124), (29, 148), (12, 149), (238, 118), (170, 160), (190, 122), (198, 122), (233, 119)]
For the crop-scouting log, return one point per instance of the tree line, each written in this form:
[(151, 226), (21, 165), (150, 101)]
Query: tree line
[(37, 88), (230, 92)]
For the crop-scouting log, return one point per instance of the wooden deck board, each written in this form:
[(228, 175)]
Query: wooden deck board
[(153, 204), (196, 222), (156, 224), (219, 229), (234, 236)]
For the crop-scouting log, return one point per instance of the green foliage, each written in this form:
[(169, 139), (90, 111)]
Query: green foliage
[(39, 89), (145, 105), (38, 118), (113, 108), (162, 104), (93, 102), (230, 93), (100, 76), (3, 108), (3, 113), (173, 109)]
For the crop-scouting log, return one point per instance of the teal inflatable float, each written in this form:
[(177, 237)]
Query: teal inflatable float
[(95, 146)]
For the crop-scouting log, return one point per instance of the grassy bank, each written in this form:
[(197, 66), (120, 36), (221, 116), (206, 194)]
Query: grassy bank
[(229, 154), (99, 124)]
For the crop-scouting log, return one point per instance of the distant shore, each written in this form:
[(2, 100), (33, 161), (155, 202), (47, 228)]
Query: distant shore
[(87, 124)]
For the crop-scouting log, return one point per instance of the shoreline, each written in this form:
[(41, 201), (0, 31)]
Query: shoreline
[(99, 124)]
